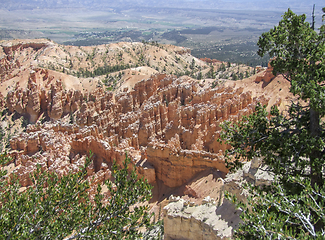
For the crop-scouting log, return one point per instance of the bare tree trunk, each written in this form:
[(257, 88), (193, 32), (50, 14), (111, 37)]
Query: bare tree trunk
[(315, 156)]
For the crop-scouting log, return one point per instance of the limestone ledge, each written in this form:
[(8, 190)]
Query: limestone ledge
[(200, 222)]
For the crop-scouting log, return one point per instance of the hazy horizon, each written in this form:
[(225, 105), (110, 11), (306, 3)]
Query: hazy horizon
[(227, 30), (300, 6)]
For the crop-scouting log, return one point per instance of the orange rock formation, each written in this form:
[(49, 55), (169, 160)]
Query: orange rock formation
[(267, 75), (168, 126)]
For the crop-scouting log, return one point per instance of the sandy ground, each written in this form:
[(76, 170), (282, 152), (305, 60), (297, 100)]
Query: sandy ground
[(276, 90)]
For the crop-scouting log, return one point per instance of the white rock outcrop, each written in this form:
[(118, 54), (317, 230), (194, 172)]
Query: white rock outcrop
[(213, 219), (201, 222)]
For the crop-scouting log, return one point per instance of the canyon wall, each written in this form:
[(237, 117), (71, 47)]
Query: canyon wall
[(169, 126)]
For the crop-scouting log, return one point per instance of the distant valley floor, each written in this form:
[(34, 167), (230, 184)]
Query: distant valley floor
[(220, 34)]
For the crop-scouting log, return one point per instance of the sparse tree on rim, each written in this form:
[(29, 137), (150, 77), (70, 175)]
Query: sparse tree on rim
[(291, 143)]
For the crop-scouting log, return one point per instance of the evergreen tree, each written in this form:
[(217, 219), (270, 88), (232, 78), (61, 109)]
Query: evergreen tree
[(192, 66), (211, 73), (199, 76), (60, 208), (291, 143)]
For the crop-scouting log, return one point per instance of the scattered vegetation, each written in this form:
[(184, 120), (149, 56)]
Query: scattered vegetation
[(102, 70)]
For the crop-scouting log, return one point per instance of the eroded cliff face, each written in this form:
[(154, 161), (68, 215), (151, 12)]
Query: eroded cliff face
[(169, 126), (43, 93), (16, 56)]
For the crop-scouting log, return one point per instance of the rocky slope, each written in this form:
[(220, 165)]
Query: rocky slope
[(17, 55), (168, 125)]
